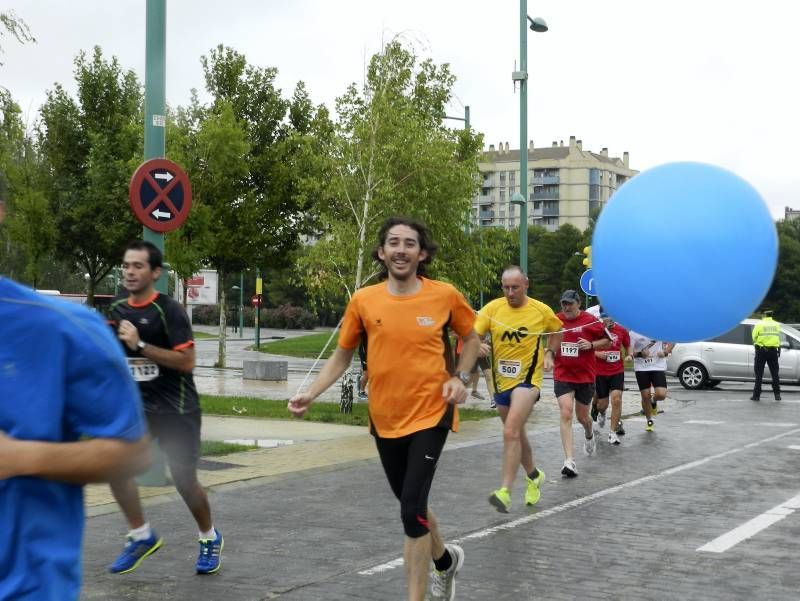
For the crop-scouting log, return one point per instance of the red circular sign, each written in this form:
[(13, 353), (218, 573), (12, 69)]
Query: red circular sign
[(256, 300), (160, 195)]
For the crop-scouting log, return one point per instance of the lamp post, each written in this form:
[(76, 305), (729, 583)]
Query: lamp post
[(538, 25)]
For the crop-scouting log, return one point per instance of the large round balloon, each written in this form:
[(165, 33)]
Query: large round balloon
[(684, 252)]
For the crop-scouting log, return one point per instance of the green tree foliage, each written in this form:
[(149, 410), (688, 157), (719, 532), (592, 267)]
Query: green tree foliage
[(11, 24), (254, 161), (392, 154), (784, 294), (90, 146)]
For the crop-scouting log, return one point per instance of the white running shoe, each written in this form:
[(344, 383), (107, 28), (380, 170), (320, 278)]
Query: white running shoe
[(570, 470), (443, 584), (613, 438), (590, 444)]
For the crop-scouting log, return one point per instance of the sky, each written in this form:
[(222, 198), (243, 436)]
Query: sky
[(703, 80)]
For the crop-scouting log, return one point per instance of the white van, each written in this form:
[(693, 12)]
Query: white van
[(730, 357)]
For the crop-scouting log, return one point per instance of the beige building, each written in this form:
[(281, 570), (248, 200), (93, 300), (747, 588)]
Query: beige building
[(789, 215), (566, 184)]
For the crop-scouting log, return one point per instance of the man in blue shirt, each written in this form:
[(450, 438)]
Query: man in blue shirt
[(70, 414)]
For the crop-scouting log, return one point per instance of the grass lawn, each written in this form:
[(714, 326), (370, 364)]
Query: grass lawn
[(203, 335), (319, 412), (210, 448), (308, 346)]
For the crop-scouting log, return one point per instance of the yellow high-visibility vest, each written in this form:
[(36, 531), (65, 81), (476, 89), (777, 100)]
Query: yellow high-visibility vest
[(767, 333)]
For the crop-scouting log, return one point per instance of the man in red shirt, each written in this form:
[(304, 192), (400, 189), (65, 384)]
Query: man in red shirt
[(574, 372), (610, 379)]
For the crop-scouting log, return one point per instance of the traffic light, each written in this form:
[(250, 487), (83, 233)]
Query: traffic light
[(587, 250)]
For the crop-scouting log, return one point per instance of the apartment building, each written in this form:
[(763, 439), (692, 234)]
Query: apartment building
[(566, 184)]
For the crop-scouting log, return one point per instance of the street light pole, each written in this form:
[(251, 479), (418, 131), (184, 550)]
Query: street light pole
[(521, 198)]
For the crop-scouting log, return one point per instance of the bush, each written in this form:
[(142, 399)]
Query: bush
[(205, 315), (288, 317)]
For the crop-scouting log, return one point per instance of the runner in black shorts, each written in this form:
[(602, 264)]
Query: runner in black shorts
[(157, 338), (413, 394), (650, 364), (574, 374), (610, 379)]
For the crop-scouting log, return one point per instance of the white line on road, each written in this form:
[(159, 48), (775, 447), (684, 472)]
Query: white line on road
[(794, 447), (776, 424), (703, 422), (395, 563), (752, 527)]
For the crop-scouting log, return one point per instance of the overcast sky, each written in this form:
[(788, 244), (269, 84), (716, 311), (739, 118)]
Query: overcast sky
[(705, 80)]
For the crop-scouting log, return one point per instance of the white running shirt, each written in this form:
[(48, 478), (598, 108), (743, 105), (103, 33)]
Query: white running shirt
[(651, 363)]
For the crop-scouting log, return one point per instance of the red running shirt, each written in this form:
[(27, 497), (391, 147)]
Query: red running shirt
[(614, 363), (573, 365)]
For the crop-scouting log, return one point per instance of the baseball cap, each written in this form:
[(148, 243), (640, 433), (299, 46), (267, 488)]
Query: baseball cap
[(570, 296)]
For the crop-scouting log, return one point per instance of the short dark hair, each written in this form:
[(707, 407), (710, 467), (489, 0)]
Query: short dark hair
[(154, 255), (424, 238)]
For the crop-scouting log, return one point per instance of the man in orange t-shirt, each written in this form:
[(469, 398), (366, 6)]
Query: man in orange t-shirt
[(413, 392)]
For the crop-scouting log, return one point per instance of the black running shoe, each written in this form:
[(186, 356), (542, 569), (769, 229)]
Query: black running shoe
[(620, 429)]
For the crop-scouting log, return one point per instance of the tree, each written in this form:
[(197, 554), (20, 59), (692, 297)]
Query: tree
[(554, 266), (251, 156), (91, 146), (10, 23), (393, 155), (784, 293)]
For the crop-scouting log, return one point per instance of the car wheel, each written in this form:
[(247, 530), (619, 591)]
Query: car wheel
[(712, 383), (692, 375)]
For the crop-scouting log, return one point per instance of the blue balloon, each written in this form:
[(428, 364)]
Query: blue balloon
[(684, 252)]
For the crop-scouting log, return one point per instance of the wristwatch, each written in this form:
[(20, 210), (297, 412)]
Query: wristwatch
[(463, 376), (141, 344)]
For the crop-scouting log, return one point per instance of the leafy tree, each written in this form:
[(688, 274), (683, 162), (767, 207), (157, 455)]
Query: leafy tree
[(90, 146), (393, 155), (784, 294), (11, 24)]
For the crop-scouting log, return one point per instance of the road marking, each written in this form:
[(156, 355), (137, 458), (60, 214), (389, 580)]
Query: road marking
[(776, 425), (794, 447), (752, 527), (704, 422), (395, 563)]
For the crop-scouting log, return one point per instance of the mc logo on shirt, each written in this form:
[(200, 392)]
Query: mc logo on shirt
[(517, 334)]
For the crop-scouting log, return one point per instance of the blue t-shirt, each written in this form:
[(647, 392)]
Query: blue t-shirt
[(62, 376)]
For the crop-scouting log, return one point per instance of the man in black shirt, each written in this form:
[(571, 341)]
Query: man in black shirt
[(157, 338)]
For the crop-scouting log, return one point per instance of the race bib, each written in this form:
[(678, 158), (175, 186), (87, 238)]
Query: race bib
[(142, 370), (569, 349), (648, 361), (612, 356), (509, 369)]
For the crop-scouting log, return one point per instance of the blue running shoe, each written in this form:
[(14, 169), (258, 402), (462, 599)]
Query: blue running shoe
[(210, 558), (134, 552)]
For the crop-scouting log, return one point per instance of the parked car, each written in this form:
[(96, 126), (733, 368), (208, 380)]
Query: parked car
[(730, 357)]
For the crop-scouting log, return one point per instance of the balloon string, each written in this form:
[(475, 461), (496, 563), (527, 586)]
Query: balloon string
[(322, 352), (561, 331), (497, 321)]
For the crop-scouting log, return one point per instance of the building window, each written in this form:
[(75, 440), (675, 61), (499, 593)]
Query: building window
[(594, 185), (502, 195)]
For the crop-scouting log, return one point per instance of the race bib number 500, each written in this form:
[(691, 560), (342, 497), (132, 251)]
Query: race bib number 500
[(142, 370), (509, 369)]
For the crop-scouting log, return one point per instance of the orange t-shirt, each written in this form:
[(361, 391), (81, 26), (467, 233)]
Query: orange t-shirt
[(406, 352)]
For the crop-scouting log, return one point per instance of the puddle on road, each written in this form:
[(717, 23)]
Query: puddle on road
[(261, 443)]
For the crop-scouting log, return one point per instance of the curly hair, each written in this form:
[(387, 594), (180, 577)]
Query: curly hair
[(424, 238)]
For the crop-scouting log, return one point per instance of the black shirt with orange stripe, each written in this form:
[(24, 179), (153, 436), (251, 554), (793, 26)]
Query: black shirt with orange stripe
[(162, 322)]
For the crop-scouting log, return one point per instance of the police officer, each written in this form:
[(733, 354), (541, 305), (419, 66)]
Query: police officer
[(767, 341)]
